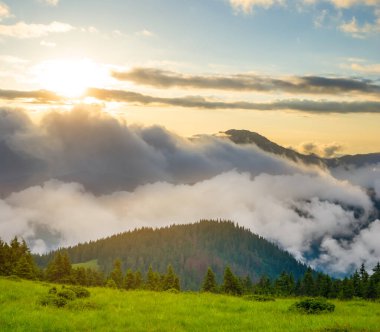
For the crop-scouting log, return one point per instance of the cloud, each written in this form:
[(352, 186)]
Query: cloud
[(41, 96), (296, 217), (4, 11), (79, 175), (355, 30), (145, 33), (328, 150), (48, 44), (248, 82), (308, 106), (96, 150), (49, 2), (300, 105), (246, 6), (22, 30), (371, 69)]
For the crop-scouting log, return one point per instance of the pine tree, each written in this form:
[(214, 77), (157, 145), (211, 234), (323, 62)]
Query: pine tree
[(116, 274), (364, 277), (230, 283), (170, 279), (151, 283), (209, 282), (347, 289), (23, 269), (307, 284), (139, 282), (356, 284), (129, 280)]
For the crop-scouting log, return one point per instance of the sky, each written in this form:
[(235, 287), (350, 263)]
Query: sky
[(298, 72)]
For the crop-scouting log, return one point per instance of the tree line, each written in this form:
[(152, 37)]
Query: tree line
[(16, 259)]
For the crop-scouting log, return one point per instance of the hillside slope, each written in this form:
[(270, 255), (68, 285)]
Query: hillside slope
[(249, 137), (190, 249)]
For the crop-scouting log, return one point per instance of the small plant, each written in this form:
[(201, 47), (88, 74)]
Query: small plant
[(53, 300), (313, 306), (67, 294), (53, 290), (172, 290), (258, 298), (80, 292)]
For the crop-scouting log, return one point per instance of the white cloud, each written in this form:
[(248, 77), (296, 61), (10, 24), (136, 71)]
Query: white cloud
[(328, 150), (145, 33), (49, 2), (48, 44), (24, 30), (360, 31), (276, 207), (366, 68), (4, 11), (246, 6)]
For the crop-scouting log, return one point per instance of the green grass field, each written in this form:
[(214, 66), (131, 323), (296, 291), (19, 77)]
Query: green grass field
[(115, 310)]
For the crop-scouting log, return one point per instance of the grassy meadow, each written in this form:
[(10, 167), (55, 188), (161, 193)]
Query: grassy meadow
[(115, 310)]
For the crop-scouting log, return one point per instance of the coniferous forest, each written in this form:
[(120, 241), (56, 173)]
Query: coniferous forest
[(16, 260)]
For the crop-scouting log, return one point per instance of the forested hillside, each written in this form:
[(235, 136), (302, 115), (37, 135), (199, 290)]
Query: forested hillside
[(191, 249)]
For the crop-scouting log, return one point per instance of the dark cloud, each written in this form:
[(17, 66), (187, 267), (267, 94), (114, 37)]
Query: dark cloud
[(309, 106), (248, 82), (96, 150), (42, 96), (300, 105)]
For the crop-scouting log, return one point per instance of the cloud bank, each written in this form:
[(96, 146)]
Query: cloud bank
[(80, 175), (248, 82)]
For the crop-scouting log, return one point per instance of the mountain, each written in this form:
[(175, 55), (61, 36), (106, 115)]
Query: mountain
[(248, 137), (190, 249)]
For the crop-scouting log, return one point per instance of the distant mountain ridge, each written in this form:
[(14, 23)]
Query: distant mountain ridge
[(190, 249), (249, 137)]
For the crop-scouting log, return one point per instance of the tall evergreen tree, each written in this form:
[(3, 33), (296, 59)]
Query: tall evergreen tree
[(116, 274), (230, 283), (209, 282), (307, 284), (129, 280)]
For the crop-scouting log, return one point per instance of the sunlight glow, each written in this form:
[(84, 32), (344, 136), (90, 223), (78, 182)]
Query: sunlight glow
[(70, 78)]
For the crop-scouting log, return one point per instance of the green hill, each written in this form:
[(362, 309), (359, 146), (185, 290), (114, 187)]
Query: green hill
[(190, 249)]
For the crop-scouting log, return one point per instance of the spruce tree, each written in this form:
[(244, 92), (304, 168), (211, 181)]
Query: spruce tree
[(23, 269), (209, 282), (139, 282), (116, 274), (230, 283), (169, 279), (129, 280), (307, 284)]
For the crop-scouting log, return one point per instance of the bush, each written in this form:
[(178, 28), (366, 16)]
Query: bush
[(67, 294), (79, 291), (313, 306), (13, 278), (53, 300), (259, 298), (53, 290)]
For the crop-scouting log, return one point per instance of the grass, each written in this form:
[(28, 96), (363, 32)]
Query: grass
[(92, 264), (115, 310)]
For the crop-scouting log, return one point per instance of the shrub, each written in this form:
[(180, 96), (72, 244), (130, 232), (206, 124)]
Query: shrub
[(67, 294), (259, 298), (83, 305), (53, 290), (313, 306), (13, 278), (80, 292), (53, 300)]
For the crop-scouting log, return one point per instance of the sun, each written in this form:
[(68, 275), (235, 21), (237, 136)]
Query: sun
[(69, 77)]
